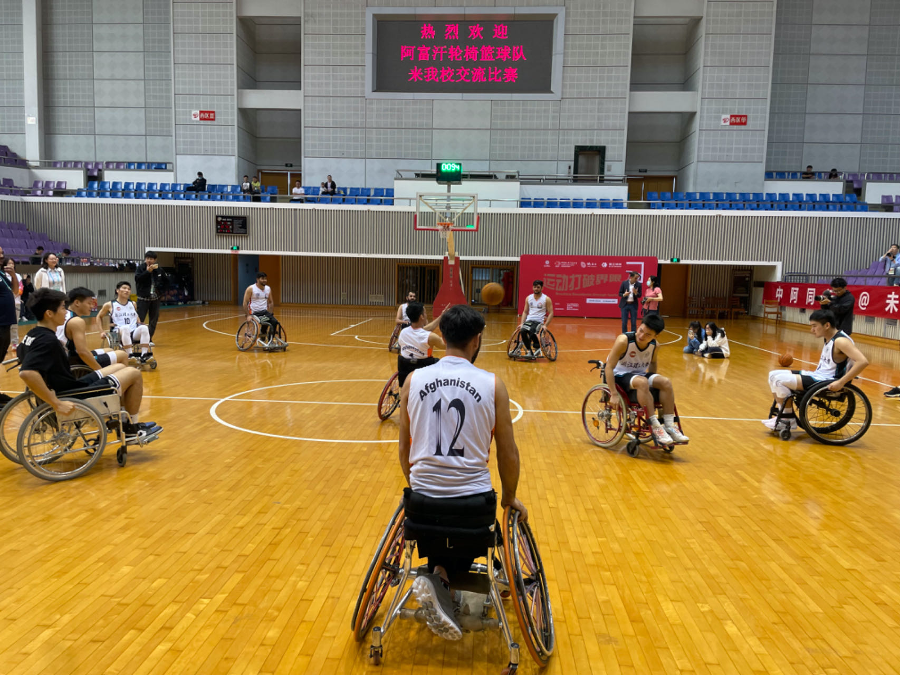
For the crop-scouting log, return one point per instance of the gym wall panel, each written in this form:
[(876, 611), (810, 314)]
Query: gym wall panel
[(714, 281), (213, 277)]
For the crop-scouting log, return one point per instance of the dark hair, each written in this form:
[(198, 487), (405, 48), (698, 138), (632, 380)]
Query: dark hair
[(67, 251), (411, 291), (261, 275), (200, 173), (696, 327), (538, 282), (632, 273), (415, 311), (808, 167), (151, 255), (838, 282), (654, 280), (45, 300), (245, 175), (715, 330), (896, 245), (44, 259), (123, 283), (460, 324), (39, 248), (654, 321), (823, 317), (80, 293)]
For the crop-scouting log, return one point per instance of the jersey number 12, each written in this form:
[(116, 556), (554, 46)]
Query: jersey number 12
[(457, 405)]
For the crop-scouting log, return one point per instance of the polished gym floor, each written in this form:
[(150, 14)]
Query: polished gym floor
[(237, 542)]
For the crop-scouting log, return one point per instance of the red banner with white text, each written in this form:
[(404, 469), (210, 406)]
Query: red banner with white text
[(879, 301), (582, 285)]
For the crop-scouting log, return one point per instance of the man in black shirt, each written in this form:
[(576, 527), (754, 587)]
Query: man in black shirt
[(45, 365), (841, 302), (150, 284), (199, 184)]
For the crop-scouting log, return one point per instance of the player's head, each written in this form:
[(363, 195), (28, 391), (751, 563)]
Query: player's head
[(649, 328), (150, 257), (838, 285), (415, 312), (261, 279), (822, 322), (48, 305), (411, 297), (123, 290), (462, 327), (81, 300), (537, 286)]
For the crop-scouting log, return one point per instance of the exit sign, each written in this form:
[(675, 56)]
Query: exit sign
[(734, 120), (203, 115), (448, 173)]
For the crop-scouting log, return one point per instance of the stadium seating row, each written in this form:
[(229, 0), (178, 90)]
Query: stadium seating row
[(19, 244), (761, 206), (94, 166), (572, 203), (824, 175), (232, 193)]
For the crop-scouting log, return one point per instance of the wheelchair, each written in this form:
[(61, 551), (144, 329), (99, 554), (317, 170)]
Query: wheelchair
[(390, 398), (609, 415), (513, 568), (249, 336), (393, 339), (832, 418), (113, 342), (548, 344)]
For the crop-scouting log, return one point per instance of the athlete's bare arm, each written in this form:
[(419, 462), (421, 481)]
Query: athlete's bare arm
[(507, 451), (247, 299), (653, 366), (135, 307), (399, 317), (549, 311), (616, 353), (103, 319), (525, 312), (36, 383), (404, 438), (847, 347), (435, 342), (269, 303), (75, 330)]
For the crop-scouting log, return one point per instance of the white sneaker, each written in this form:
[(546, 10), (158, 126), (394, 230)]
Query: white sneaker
[(438, 606), (772, 423), (661, 436), (675, 434)]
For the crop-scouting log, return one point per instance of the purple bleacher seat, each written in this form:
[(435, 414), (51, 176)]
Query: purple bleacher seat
[(48, 184), (121, 165), (68, 165), (8, 182), (35, 192), (38, 184), (79, 165), (60, 185), (109, 165), (57, 165)]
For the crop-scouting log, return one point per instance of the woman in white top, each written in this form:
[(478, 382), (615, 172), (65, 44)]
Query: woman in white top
[(16, 280), (715, 344), (297, 193), (50, 275)]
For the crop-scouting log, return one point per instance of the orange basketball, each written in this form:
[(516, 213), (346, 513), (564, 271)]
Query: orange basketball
[(492, 293), (786, 360)]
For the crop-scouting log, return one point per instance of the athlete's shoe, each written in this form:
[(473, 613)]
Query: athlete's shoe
[(675, 434), (132, 429), (772, 423), (148, 359), (661, 436), (892, 393), (134, 359), (435, 599)]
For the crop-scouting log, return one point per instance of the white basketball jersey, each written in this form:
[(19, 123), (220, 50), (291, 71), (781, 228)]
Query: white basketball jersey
[(635, 361), (414, 343), (259, 299), (827, 368), (404, 313), (452, 419), (123, 315), (61, 331), (536, 307)]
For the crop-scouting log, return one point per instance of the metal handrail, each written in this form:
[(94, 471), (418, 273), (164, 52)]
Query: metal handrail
[(791, 276)]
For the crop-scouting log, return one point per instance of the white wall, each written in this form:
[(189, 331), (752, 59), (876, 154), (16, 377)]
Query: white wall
[(827, 187), (873, 190)]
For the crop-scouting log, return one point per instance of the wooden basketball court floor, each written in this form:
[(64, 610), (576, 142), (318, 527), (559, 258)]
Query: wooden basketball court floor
[(236, 543)]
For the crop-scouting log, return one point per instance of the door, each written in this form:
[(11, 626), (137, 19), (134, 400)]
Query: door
[(675, 289), (424, 280), (277, 178), (272, 265), (247, 273), (588, 162), (505, 275)]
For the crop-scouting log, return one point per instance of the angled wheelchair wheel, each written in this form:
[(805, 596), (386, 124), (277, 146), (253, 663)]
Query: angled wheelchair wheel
[(246, 337), (11, 418), (61, 448), (549, 345), (529, 588), (80, 371), (603, 416), (383, 574), (835, 418), (280, 338), (513, 345), (390, 398), (393, 340)]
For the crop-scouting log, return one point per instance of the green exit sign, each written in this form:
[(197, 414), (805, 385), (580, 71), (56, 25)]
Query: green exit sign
[(674, 260), (448, 173)]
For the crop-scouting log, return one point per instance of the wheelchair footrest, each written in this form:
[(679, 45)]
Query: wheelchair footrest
[(144, 437)]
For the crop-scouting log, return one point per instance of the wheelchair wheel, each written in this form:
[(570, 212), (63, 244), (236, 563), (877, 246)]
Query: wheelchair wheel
[(549, 345), (382, 574), (390, 398), (246, 337), (603, 416), (11, 419), (282, 336), (513, 345), (58, 449), (393, 340), (529, 588), (835, 418), (80, 371)]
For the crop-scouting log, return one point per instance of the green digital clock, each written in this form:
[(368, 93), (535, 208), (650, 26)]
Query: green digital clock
[(448, 173)]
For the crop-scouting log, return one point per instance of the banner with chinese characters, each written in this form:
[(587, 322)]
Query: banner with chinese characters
[(582, 285), (465, 55), (879, 301)]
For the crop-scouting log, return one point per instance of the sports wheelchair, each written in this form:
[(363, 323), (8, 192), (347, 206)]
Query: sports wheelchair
[(393, 339), (249, 335), (390, 398), (513, 568), (832, 418), (609, 415), (516, 350), (113, 341)]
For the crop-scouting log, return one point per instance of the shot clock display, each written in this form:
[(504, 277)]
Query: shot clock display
[(448, 173), (231, 224)]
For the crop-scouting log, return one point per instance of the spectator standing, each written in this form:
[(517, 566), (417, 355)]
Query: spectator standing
[(653, 296), (199, 184), (891, 265), (16, 280), (808, 173), (7, 308), (833, 174), (629, 295), (38, 256), (245, 185), (841, 302), (297, 193), (150, 284), (50, 275), (27, 290), (331, 189)]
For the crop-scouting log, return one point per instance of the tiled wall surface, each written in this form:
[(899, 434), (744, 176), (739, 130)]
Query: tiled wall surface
[(835, 92), (107, 80), (12, 73)]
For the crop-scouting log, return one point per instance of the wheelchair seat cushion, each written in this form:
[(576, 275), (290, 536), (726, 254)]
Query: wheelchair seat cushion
[(458, 522), (93, 385)]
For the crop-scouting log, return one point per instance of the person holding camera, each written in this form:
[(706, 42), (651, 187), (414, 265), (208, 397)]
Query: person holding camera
[(890, 260), (841, 302), (150, 284)]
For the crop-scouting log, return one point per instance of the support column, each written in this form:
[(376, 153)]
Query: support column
[(32, 47)]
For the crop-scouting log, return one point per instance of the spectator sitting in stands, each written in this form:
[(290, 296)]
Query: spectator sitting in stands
[(38, 256), (246, 185), (255, 189), (67, 254), (199, 184), (833, 174), (808, 173), (297, 193), (329, 186), (891, 265)]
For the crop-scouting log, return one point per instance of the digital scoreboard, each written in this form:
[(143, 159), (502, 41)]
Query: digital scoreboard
[(448, 173), (231, 224)]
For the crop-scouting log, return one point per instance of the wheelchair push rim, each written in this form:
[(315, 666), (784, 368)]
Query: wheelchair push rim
[(382, 574), (58, 450), (393, 339), (390, 398), (282, 336), (549, 345), (835, 418), (513, 344), (600, 416), (11, 419), (532, 602), (246, 337)]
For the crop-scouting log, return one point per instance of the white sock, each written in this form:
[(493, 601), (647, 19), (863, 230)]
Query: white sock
[(133, 418), (668, 420), (144, 349)]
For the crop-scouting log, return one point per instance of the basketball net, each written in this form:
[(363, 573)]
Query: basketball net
[(448, 236)]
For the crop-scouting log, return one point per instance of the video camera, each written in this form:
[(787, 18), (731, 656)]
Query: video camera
[(828, 294)]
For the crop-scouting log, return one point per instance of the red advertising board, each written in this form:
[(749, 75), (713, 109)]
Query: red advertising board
[(203, 115), (581, 285), (879, 301)]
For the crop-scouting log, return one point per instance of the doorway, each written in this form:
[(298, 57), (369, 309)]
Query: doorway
[(424, 280), (588, 163), (675, 288), (480, 275), (283, 180), (640, 186)]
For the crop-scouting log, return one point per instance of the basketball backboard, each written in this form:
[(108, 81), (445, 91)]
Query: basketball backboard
[(446, 212)]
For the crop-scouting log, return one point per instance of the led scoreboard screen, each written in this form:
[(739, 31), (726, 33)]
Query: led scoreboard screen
[(472, 55), (231, 224)]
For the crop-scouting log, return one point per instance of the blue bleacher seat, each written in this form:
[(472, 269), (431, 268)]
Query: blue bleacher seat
[(820, 206), (794, 206), (265, 198), (132, 165), (92, 184), (525, 203), (618, 203), (538, 203), (374, 201), (706, 196), (651, 196), (757, 196), (737, 206), (104, 194), (142, 165), (579, 203), (551, 203), (669, 205), (354, 192), (592, 204), (810, 197), (709, 206), (750, 206), (695, 206), (140, 190), (833, 206), (104, 185), (823, 198), (679, 196), (390, 192), (745, 196), (851, 198), (770, 196), (848, 207), (798, 197), (783, 197), (836, 198), (766, 206), (768, 175), (795, 175), (272, 190), (84, 193), (129, 190), (861, 207), (781, 175), (666, 197), (719, 196), (731, 197), (604, 204), (655, 205), (778, 206), (378, 192), (565, 204)]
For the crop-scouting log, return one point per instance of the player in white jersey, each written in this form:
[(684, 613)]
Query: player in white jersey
[(401, 318), (81, 302), (449, 414), (416, 342), (121, 315), (633, 363), (841, 361), (258, 302), (538, 310)]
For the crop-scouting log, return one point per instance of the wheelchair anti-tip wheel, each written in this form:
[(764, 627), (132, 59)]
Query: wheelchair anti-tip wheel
[(246, 337), (390, 398), (604, 416), (549, 345), (835, 418), (383, 573), (529, 588), (57, 449), (393, 340), (11, 419)]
